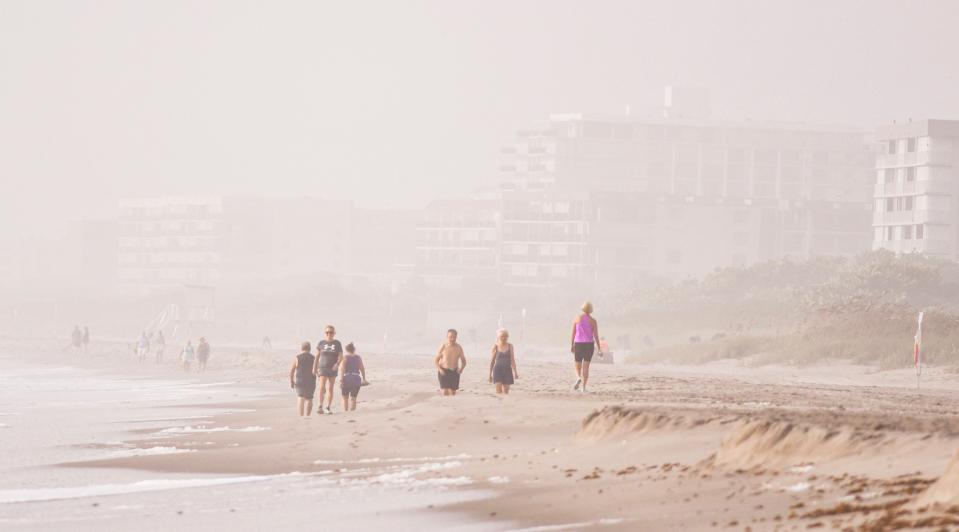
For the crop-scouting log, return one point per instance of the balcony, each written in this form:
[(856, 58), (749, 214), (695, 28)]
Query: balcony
[(938, 187), (933, 158), (895, 218), (934, 186), (933, 216), (936, 158)]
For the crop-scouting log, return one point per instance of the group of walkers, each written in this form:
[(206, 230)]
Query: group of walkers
[(330, 363), (200, 354)]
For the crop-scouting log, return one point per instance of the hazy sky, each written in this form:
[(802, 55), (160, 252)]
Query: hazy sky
[(393, 103)]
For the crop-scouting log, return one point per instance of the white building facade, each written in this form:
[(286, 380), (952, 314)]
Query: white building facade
[(916, 200)]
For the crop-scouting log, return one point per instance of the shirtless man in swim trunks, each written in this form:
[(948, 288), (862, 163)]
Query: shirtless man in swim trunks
[(450, 363)]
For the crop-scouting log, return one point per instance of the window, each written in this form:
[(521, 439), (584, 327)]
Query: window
[(911, 173), (890, 204), (889, 233), (919, 232), (891, 146), (907, 232), (890, 175), (908, 203), (911, 144)]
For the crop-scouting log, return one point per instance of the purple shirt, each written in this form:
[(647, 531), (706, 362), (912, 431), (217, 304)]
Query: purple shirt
[(584, 330)]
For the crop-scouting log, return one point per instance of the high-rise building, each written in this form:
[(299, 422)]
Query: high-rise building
[(687, 157), (170, 241), (167, 242), (916, 196), (458, 239), (677, 196)]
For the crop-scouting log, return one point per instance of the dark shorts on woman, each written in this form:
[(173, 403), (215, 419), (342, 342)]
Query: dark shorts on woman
[(306, 391), (449, 379), (328, 372), (583, 351), (350, 385)]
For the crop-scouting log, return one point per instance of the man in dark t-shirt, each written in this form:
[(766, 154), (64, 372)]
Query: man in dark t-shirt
[(329, 351)]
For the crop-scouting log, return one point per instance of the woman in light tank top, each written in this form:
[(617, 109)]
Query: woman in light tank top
[(502, 365), (584, 338)]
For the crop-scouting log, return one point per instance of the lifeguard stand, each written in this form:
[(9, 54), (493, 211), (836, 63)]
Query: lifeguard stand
[(192, 314)]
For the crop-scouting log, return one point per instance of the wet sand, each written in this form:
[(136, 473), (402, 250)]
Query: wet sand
[(650, 447)]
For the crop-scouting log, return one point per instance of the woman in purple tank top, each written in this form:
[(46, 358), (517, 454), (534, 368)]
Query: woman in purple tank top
[(585, 337), (352, 377)]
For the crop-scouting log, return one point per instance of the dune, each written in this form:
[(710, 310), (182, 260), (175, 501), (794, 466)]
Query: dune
[(945, 490), (761, 443)]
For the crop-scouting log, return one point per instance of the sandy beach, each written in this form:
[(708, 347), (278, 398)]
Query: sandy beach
[(717, 446)]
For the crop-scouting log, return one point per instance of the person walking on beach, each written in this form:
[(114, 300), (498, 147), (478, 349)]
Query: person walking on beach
[(161, 346), (502, 366), (143, 346), (352, 377), (303, 380), (584, 339), (187, 356), (329, 352), (86, 338), (202, 354), (450, 362), (76, 339)]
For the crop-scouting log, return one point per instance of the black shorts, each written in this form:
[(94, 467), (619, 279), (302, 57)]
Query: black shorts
[(328, 372), (350, 390), (306, 391), (449, 379), (583, 351)]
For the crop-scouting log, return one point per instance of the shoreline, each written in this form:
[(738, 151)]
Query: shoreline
[(650, 446)]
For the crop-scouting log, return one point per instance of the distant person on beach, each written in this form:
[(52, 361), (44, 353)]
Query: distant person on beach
[(187, 356), (303, 380), (502, 366), (450, 362), (76, 339), (584, 339), (143, 346), (161, 347), (352, 377), (329, 351), (202, 354), (266, 344), (86, 338)]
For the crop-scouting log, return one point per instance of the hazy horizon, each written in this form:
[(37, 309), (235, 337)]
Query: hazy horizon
[(392, 105)]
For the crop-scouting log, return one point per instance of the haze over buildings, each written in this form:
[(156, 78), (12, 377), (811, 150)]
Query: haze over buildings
[(395, 104), (485, 146)]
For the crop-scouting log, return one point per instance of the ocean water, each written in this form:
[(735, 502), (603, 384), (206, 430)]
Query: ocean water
[(53, 415), (50, 414)]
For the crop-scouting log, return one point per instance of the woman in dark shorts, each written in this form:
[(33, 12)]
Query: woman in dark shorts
[(502, 367), (352, 377), (303, 380), (585, 338), (328, 355)]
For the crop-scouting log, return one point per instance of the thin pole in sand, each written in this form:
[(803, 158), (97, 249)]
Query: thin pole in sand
[(917, 350)]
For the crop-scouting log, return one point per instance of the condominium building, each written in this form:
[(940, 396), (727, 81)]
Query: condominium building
[(626, 197), (685, 157), (171, 241), (916, 197), (544, 239), (458, 239)]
